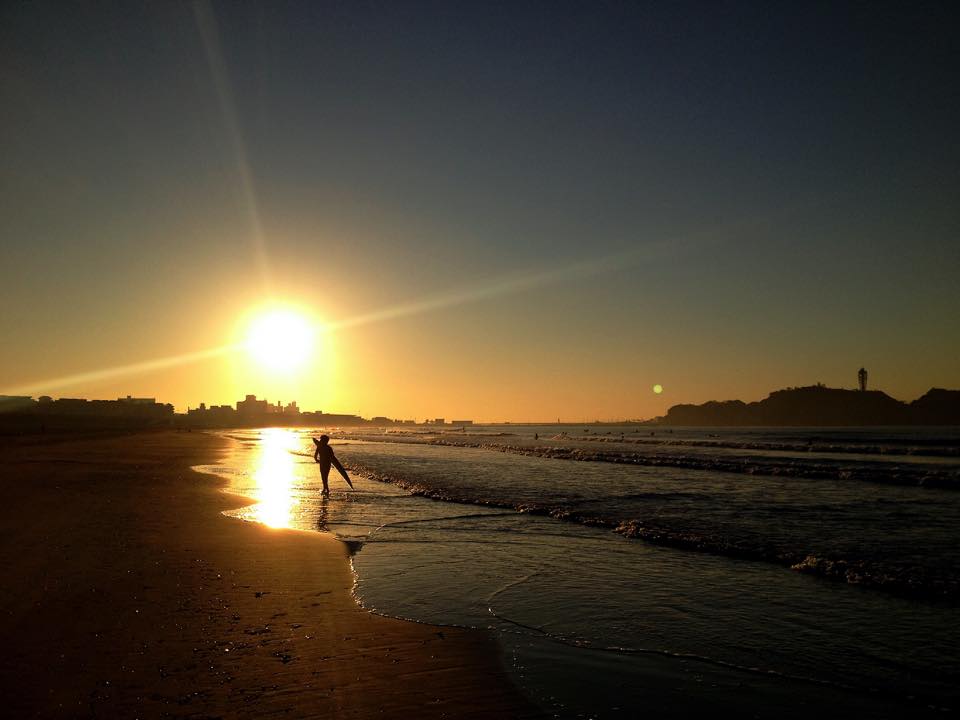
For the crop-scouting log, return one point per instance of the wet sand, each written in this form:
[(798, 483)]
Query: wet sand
[(127, 594)]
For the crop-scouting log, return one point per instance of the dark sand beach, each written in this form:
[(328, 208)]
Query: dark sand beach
[(127, 594)]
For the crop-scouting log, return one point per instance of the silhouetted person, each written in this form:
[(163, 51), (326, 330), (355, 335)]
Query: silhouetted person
[(323, 454)]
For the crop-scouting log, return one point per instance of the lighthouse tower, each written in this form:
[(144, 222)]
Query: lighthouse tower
[(862, 377)]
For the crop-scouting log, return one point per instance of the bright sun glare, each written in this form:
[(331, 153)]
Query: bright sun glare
[(281, 340)]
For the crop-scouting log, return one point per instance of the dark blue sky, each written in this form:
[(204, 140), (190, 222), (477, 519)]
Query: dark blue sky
[(793, 165)]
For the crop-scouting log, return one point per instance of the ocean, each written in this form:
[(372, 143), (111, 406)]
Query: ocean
[(625, 568)]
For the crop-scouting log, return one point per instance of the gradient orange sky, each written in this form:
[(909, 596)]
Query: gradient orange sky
[(500, 220)]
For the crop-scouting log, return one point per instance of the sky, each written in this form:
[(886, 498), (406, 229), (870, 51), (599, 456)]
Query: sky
[(496, 211)]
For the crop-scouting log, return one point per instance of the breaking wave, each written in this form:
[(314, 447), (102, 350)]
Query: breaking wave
[(916, 580), (818, 469)]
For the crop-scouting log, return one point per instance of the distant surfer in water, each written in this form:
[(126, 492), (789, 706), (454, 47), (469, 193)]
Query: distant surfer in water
[(323, 454)]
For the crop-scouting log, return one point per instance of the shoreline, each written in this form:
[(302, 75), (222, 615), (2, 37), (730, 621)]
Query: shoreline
[(122, 598)]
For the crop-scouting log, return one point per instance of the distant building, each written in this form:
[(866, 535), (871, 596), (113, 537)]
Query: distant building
[(461, 422), (322, 419), (137, 401), (213, 416), (128, 412), (15, 403), (250, 408), (862, 378)]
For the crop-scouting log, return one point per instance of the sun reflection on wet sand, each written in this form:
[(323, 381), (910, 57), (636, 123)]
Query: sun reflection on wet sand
[(274, 479)]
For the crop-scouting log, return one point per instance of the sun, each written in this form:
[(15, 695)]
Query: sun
[(281, 340)]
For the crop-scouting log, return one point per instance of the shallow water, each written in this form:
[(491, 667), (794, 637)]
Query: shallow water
[(637, 621)]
